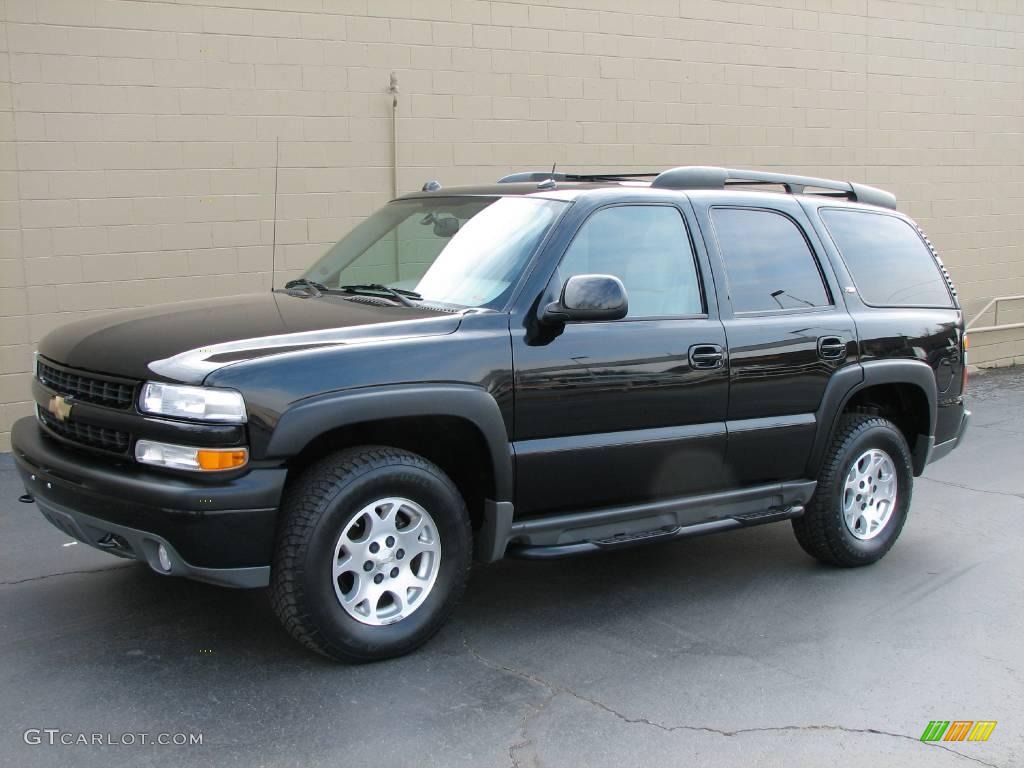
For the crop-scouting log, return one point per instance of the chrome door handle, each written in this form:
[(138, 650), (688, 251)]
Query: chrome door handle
[(706, 356), (831, 348)]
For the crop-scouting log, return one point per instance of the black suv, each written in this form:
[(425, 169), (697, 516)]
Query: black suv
[(552, 365)]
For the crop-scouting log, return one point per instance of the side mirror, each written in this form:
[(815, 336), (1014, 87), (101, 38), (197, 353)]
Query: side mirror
[(588, 297)]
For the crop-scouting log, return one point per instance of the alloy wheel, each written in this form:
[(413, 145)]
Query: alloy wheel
[(386, 561)]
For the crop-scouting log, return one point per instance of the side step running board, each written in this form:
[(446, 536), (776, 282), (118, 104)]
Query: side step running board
[(622, 541), (770, 515)]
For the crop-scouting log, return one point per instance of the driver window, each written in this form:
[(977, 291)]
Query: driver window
[(647, 248)]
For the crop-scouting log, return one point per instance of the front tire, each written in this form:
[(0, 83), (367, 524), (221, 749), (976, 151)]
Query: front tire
[(863, 495), (373, 551)]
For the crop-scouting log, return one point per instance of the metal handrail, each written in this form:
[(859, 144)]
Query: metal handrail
[(995, 323)]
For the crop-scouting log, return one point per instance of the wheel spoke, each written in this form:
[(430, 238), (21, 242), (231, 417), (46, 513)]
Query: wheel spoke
[(415, 549), (887, 487), (851, 516), (425, 552), (850, 499), (364, 590), (874, 459), (407, 580), (399, 599), (342, 564), (386, 513), (870, 520), (419, 539)]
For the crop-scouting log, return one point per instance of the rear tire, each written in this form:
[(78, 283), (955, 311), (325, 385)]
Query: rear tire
[(373, 550), (863, 495)]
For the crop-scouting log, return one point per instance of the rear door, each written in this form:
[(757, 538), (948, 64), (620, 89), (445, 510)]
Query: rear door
[(787, 327), (626, 411)]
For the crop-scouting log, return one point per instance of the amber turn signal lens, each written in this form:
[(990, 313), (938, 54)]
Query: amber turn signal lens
[(229, 459)]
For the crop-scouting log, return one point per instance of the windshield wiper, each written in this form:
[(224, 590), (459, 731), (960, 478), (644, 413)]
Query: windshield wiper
[(398, 294), (300, 282)]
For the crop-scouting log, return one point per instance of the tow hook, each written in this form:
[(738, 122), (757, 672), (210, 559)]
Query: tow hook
[(27, 498)]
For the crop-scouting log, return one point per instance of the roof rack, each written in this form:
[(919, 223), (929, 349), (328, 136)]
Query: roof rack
[(707, 177), (559, 176), (710, 177)]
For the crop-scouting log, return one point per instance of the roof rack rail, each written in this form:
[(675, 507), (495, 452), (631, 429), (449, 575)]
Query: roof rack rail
[(709, 177), (560, 176)]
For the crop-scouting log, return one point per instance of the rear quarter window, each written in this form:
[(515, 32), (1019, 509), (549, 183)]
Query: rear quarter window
[(889, 262)]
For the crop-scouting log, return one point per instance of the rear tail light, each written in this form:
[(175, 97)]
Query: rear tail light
[(963, 366)]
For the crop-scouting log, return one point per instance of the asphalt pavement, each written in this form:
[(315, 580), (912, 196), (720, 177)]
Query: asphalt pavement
[(730, 650)]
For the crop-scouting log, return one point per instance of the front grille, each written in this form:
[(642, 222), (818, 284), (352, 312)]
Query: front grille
[(87, 387), (103, 438)]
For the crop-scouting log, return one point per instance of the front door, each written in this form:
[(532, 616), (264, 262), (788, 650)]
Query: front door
[(631, 410)]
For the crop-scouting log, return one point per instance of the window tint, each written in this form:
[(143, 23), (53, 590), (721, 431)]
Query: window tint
[(889, 261), (647, 248), (767, 261)]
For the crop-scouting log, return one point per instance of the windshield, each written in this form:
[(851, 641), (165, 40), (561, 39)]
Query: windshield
[(467, 251)]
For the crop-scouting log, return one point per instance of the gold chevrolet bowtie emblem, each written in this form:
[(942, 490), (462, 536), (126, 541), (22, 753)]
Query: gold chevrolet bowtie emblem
[(59, 407)]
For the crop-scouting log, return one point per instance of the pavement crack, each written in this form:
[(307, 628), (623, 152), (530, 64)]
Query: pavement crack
[(535, 710), (61, 573), (524, 731), (1011, 494), (554, 690)]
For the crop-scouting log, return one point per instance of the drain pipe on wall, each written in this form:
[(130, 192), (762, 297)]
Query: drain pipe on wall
[(393, 90)]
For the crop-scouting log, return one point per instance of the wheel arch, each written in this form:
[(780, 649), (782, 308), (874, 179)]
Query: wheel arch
[(902, 390), (463, 413)]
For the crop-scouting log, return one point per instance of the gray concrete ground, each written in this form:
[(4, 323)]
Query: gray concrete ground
[(734, 650)]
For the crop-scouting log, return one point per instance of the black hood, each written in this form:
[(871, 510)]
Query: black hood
[(185, 341)]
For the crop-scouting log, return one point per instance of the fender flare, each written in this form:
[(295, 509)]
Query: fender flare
[(310, 418), (848, 381)]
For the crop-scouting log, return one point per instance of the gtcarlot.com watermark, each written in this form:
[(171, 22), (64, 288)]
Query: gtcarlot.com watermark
[(57, 737)]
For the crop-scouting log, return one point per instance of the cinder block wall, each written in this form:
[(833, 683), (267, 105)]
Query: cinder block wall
[(137, 139)]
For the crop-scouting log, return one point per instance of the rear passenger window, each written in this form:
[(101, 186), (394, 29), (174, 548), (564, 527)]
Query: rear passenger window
[(887, 258), (647, 248), (768, 263)]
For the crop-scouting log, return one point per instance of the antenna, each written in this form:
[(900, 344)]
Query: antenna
[(551, 181), (273, 247)]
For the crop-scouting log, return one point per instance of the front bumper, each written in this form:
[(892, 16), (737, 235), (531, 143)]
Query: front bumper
[(219, 530)]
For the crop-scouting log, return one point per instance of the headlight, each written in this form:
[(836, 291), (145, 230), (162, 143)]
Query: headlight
[(186, 457), (199, 403)]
